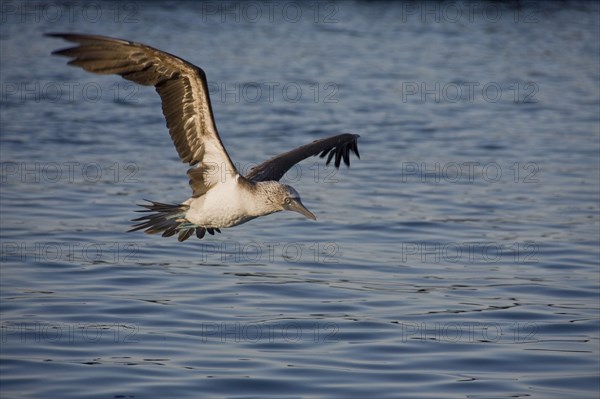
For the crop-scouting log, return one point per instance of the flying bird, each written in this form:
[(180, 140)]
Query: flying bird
[(221, 197)]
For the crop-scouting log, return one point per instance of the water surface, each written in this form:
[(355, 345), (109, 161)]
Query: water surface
[(458, 258)]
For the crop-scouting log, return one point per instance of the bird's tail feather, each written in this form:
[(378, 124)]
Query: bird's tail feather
[(169, 219)]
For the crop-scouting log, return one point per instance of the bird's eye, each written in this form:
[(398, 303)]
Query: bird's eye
[(287, 201)]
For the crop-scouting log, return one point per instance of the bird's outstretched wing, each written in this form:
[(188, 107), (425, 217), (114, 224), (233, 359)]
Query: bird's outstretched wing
[(336, 146), (183, 90)]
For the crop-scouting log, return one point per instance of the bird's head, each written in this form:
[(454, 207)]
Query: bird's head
[(290, 201)]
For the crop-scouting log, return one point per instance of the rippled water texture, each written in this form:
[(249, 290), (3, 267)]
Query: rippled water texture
[(457, 258)]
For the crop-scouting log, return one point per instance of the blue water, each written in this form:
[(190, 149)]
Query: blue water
[(458, 258)]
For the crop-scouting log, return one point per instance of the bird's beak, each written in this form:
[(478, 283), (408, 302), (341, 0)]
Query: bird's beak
[(297, 206)]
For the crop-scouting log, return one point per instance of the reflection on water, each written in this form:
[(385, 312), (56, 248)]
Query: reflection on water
[(458, 257)]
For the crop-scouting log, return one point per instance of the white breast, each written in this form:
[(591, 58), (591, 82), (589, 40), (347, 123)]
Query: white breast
[(224, 205)]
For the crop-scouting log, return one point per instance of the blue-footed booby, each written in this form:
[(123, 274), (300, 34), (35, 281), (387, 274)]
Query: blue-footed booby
[(221, 197)]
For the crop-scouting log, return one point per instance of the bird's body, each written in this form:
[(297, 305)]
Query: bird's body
[(223, 206), (221, 197), (234, 202)]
